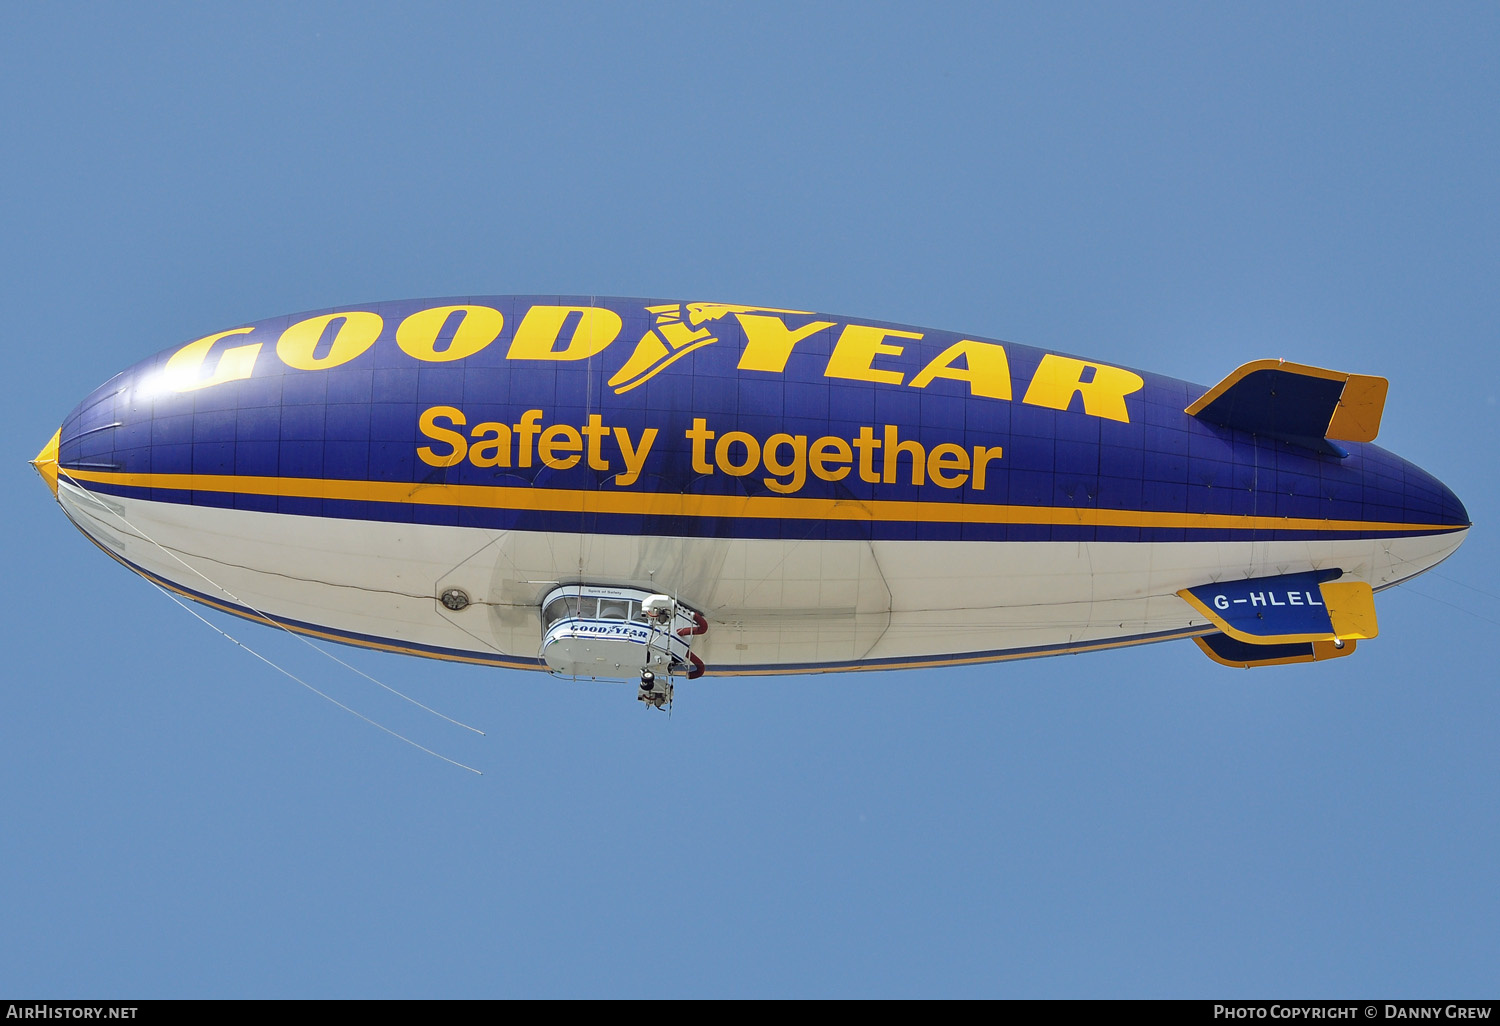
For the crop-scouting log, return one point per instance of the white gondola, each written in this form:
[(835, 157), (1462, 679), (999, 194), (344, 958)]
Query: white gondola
[(618, 633)]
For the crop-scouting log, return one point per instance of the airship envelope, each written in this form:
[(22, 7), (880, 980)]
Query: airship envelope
[(654, 490)]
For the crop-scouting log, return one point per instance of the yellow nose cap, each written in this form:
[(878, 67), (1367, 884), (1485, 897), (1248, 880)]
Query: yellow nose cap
[(46, 461)]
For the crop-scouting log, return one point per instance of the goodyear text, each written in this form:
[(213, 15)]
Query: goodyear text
[(547, 332)]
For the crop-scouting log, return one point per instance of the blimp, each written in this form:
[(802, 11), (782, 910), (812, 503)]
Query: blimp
[(651, 491)]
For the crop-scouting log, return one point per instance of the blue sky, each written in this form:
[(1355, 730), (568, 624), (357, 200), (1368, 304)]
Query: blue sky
[(1177, 187)]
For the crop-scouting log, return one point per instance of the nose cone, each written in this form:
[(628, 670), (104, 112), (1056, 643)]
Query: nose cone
[(1427, 497), (1425, 500), (1455, 508), (46, 461), (1453, 512)]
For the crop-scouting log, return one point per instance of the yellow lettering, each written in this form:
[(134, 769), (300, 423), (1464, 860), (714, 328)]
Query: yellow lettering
[(560, 438), (596, 432), (985, 368), (184, 366), (893, 451), (478, 327), (867, 443), (944, 458), (635, 458), (769, 342), (752, 453), (357, 331), (854, 355), (536, 337), (787, 459), (527, 430), (796, 468), (491, 445), (820, 457), (700, 436), (982, 457), (430, 428), (1059, 378)]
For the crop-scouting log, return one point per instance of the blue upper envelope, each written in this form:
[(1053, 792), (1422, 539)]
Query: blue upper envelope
[(709, 419)]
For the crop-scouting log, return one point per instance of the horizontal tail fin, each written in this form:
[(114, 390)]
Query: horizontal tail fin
[(1289, 608), (1298, 404), (1227, 651)]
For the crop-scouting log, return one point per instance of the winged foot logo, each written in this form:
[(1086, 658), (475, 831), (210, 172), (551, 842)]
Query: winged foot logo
[(679, 329)]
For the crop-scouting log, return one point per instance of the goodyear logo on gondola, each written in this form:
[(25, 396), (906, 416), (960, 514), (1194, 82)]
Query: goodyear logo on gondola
[(860, 352), (611, 631)]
